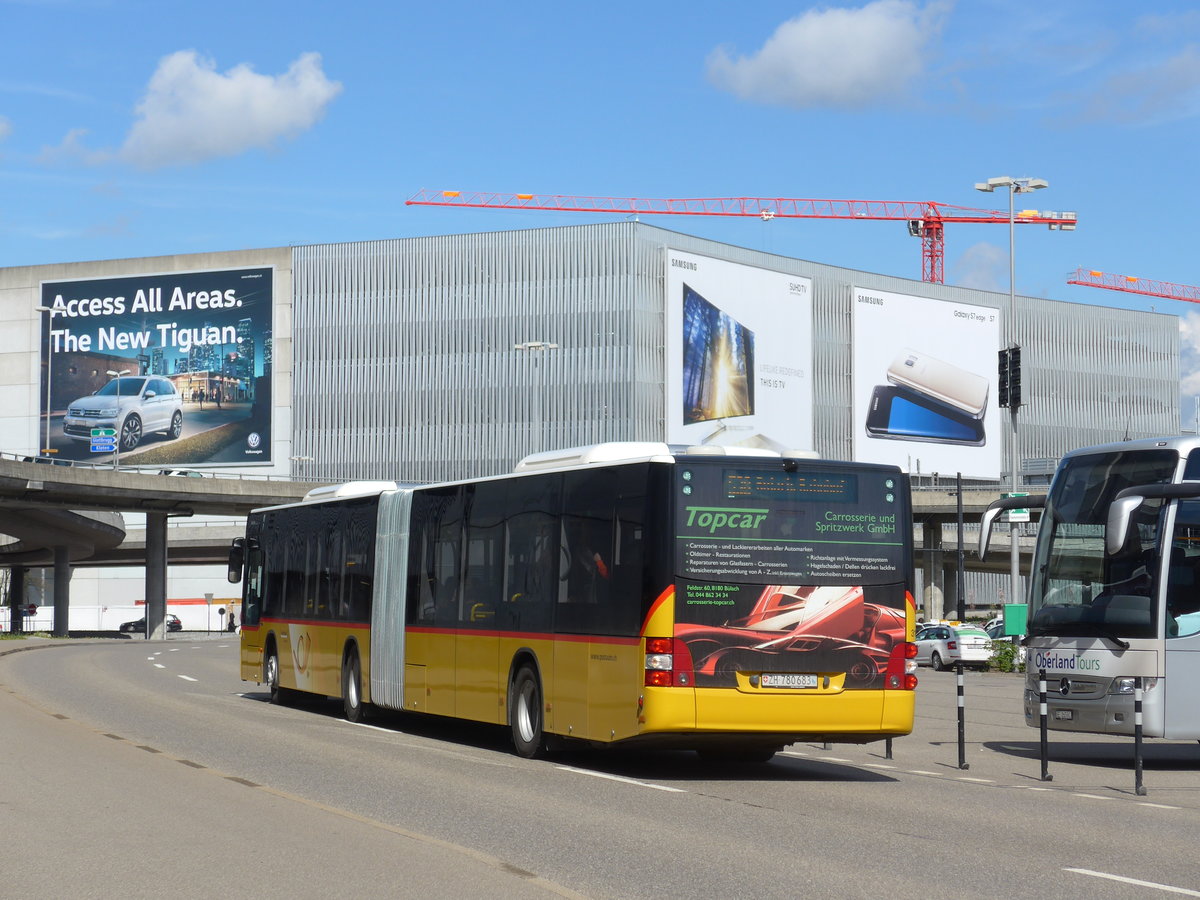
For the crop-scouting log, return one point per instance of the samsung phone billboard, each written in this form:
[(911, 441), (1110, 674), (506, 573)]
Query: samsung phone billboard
[(158, 370), (925, 384), (738, 354)]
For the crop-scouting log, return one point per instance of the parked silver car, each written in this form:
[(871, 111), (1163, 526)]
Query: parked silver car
[(941, 646), (131, 406)]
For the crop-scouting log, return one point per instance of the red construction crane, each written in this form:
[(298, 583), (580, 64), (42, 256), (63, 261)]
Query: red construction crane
[(1133, 285), (926, 219)]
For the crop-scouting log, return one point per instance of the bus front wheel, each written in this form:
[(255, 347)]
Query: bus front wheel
[(352, 702), (525, 714), (271, 677)]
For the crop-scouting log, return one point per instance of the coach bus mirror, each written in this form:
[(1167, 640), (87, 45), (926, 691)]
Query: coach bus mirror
[(985, 529), (237, 559), (1117, 528)]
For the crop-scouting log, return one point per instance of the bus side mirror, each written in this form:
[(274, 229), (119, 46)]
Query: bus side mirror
[(237, 560), (1027, 501), (1116, 530), (985, 529)]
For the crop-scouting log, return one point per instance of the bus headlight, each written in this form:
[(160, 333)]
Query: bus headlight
[(1124, 685)]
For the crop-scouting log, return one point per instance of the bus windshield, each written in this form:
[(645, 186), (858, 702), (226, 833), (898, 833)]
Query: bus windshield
[(1078, 589)]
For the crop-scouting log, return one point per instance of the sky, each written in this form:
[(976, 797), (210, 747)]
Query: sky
[(139, 128)]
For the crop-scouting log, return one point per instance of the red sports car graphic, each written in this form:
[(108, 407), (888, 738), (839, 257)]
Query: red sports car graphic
[(798, 629)]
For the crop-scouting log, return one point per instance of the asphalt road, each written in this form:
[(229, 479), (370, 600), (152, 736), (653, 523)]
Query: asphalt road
[(139, 767)]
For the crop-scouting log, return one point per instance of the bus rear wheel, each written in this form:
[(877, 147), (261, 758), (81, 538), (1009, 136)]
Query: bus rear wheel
[(352, 702), (525, 714)]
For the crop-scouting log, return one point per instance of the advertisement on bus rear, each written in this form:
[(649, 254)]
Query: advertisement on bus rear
[(790, 572), (158, 370)]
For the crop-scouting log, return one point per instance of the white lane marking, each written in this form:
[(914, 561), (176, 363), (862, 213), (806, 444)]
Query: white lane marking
[(159, 666), (151, 658), (1159, 806), (1092, 796), (976, 780), (623, 780), (876, 766), (1170, 889), (188, 678), (919, 772), (363, 725), (174, 650)]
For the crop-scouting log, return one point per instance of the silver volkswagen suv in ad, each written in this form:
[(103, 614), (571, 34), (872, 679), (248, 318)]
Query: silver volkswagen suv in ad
[(132, 406)]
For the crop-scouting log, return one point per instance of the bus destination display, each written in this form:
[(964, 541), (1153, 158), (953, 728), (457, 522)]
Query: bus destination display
[(769, 526)]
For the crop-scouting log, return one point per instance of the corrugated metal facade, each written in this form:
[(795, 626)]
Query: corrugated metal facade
[(405, 364)]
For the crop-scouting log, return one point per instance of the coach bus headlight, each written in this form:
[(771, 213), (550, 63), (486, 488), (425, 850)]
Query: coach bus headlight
[(1125, 684)]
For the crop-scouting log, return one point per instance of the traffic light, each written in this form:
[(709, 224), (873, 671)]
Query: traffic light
[(1009, 369), (1014, 377)]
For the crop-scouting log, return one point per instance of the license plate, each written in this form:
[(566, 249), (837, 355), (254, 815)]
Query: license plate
[(1064, 714), (782, 680)]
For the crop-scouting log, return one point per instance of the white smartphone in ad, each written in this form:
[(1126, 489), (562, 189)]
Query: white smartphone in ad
[(963, 391)]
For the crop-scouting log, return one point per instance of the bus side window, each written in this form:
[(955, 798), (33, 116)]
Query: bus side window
[(531, 553)]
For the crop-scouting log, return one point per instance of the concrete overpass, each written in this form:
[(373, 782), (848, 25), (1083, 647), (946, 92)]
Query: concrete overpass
[(65, 516), (71, 515)]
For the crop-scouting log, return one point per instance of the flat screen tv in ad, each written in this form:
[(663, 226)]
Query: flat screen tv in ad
[(718, 362), (900, 414)]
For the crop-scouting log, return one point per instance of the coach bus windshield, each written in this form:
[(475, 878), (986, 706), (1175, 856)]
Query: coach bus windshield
[(1079, 590)]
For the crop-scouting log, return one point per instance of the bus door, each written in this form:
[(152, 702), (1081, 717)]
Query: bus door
[(477, 687), (1182, 663)]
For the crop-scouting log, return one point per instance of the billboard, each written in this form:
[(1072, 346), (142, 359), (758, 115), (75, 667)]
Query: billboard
[(925, 384), (738, 355), (158, 370)]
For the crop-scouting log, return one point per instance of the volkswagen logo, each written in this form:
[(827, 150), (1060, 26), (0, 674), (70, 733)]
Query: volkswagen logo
[(1064, 686)]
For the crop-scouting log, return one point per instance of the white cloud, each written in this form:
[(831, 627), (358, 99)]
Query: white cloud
[(5, 128), (70, 149), (191, 113), (851, 58), (982, 266), (1163, 92)]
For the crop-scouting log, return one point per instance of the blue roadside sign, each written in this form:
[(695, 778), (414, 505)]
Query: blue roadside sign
[(104, 440)]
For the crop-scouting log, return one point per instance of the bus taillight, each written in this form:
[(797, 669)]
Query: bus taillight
[(668, 663), (902, 668)]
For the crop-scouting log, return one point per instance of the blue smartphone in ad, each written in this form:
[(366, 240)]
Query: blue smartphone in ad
[(899, 414)]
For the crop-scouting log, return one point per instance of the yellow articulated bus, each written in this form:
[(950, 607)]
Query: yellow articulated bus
[(617, 594)]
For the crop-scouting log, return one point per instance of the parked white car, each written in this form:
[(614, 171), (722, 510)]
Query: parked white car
[(131, 406), (941, 646)]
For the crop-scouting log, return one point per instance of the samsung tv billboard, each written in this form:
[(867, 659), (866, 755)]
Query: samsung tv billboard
[(158, 370), (738, 355)]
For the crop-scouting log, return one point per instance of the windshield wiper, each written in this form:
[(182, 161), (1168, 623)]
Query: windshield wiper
[(1072, 629)]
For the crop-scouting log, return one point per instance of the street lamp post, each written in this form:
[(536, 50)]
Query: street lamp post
[(1015, 186), (539, 347), (49, 364), (119, 424)]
